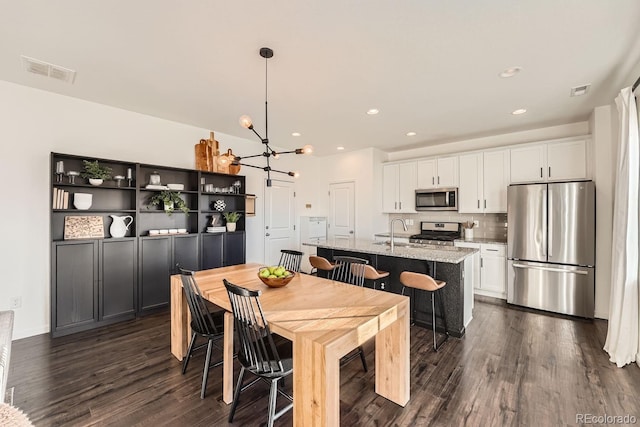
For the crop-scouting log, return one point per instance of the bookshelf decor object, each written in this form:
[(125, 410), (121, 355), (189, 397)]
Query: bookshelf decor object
[(83, 227)]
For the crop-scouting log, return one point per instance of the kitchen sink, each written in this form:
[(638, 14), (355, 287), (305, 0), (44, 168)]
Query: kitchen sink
[(397, 245)]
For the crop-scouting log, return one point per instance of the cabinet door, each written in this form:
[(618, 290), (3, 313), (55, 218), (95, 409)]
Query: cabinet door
[(493, 275), (390, 179), (566, 160), (155, 271), (470, 194), (528, 164), (118, 278), (427, 174), (496, 181), (75, 284), (212, 251), (185, 253), (234, 248), (407, 187), (447, 172)]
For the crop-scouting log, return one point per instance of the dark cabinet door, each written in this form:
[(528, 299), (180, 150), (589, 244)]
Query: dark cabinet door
[(212, 251), (75, 283), (155, 270), (118, 278), (234, 248), (185, 253)]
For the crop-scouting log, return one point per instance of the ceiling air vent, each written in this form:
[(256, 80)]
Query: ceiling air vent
[(580, 90), (36, 66)]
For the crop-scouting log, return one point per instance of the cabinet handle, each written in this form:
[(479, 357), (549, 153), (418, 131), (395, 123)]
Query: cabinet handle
[(485, 203), (549, 171), (400, 205), (438, 180), (491, 250), (433, 181), (540, 172), (395, 205), (267, 234), (481, 263)]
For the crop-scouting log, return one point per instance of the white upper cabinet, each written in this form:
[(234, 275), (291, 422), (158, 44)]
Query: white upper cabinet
[(470, 189), (551, 161), (441, 172), (566, 160), (484, 178), (399, 187)]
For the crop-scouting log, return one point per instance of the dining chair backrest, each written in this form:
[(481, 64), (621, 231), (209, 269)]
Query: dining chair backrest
[(200, 314), (290, 259), (258, 351), (349, 270)]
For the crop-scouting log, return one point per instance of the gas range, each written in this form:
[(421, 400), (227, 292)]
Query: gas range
[(437, 233)]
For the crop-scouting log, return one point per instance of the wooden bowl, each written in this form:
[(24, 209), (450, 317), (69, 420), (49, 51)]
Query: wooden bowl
[(276, 282)]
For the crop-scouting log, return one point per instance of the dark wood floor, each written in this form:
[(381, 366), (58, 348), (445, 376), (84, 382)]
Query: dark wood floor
[(513, 367)]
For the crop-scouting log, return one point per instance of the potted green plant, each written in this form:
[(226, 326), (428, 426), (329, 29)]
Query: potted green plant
[(231, 218), (171, 200), (95, 172)]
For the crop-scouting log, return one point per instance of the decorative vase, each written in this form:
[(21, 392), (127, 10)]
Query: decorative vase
[(119, 226), (168, 206), (231, 226), (94, 181)]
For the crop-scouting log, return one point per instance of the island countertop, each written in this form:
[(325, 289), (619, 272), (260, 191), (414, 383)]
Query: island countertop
[(445, 254)]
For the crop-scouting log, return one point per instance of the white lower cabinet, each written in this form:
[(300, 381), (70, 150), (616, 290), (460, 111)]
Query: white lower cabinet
[(489, 271)]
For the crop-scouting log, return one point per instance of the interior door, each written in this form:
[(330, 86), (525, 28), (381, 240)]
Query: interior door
[(279, 221), (342, 216)]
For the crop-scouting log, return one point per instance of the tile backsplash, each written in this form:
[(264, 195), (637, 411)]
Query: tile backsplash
[(491, 225)]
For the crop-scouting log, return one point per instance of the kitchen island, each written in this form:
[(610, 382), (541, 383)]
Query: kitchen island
[(442, 262)]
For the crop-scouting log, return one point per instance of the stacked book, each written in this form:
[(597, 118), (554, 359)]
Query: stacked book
[(216, 229), (60, 199)]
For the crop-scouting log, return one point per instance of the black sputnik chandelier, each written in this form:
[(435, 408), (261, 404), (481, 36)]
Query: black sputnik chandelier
[(268, 153)]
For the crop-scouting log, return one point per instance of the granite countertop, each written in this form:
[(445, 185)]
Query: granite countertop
[(494, 240), (446, 254)]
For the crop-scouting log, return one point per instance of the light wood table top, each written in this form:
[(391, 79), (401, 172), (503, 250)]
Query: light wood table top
[(325, 320)]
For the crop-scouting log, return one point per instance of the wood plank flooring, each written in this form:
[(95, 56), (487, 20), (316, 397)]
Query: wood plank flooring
[(513, 367)]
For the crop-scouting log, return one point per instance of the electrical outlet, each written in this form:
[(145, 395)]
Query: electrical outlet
[(476, 223), (15, 302)]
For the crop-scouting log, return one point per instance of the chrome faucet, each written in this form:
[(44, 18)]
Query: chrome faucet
[(404, 225)]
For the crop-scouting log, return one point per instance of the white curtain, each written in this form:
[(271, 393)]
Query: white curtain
[(623, 336)]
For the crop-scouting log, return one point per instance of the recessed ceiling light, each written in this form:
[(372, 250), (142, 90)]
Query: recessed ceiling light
[(373, 111), (296, 134), (519, 111), (510, 72), (411, 134), (339, 148)]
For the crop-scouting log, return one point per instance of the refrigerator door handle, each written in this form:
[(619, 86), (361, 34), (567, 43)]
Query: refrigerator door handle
[(549, 228), (544, 222), (556, 270)]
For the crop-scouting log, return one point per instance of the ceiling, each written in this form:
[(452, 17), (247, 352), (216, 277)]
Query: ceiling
[(430, 67)]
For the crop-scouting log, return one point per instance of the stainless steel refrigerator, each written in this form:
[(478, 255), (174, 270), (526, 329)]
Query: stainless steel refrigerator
[(551, 247)]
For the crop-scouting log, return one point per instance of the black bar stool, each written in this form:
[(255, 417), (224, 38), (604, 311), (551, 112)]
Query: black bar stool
[(424, 282)]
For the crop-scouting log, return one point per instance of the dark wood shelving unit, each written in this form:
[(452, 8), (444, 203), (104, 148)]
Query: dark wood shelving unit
[(99, 281)]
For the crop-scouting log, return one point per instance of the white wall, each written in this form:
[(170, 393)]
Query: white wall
[(533, 135), (35, 123), (604, 149)]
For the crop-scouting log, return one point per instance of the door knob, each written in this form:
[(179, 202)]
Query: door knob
[(267, 234), (350, 231)]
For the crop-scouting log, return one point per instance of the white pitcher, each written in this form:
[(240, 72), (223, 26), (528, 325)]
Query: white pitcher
[(119, 226)]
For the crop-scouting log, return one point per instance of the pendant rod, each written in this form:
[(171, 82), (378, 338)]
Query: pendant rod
[(635, 85)]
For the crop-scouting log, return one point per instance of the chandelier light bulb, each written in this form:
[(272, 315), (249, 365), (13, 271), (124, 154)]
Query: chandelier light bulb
[(275, 155), (307, 149), (245, 122), (294, 174)]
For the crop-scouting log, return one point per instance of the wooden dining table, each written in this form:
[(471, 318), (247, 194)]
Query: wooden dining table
[(325, 320)]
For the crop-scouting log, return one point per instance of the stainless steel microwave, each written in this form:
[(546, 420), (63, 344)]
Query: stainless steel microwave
[(437, 199)]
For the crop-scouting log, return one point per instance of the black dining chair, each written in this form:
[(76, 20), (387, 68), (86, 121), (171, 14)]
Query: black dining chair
[(350, 270), (290, 259), (258, 353), (204, 323)]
